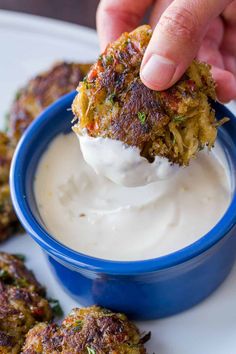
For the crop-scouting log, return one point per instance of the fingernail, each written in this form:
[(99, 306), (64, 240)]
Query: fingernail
[(158, 71)]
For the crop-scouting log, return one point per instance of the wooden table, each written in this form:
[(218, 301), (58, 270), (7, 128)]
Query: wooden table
[(82, 12)]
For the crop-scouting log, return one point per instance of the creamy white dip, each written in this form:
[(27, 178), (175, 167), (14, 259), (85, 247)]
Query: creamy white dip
[(123, 164), (92, 215)]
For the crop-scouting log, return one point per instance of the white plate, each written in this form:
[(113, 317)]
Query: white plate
[(30, 44)]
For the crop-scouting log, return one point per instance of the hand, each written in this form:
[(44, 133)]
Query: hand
[(183, 30)]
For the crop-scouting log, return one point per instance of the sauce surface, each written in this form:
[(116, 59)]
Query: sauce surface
[(123, 164), (92, 215)]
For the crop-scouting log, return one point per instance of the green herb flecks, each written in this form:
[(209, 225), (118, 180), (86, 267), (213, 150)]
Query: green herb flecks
[(111, 97), (17, 95), (179, 119), (85, 80), (21, 257), (109, 59), (78, 325), (146, 336), (22, 283), (91, 350), (56, 307), (6, 122), (142, 117), (4, 275)]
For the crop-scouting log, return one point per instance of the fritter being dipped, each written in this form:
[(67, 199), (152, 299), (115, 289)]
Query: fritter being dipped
[(40, 92), (87, 330), (8, 220), (114, 104), (22, 303)]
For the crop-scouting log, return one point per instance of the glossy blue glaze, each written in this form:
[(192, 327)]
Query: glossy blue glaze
[(143, 289)]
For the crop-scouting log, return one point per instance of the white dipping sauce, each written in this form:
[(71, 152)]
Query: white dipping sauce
[(92, 215), (123, 164)]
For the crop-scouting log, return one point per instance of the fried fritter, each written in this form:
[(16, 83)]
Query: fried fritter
[(30, 101), (40, 92), (8, 220), (88, 330), (20, 309), (112, 102), (14, 272), (22, 303)]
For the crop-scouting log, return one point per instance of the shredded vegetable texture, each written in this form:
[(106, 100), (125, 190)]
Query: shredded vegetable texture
[(90, 330), (113, 102)]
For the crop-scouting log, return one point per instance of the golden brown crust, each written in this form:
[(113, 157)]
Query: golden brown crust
[(14, 272), (41, 91), (21, 303), (113, 102), (88, 330), (8, 219)]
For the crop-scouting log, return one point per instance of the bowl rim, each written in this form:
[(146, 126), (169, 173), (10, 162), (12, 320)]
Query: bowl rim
[(74, 259)]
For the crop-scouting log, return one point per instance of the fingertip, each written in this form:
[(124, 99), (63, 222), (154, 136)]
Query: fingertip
[(225, 84), (117, 16), (158, 72), (104, 30)]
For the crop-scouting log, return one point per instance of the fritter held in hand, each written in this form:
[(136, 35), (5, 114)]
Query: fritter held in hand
[(21, 303), (40, 92), (8, 220), (112, 102), (90, 330)]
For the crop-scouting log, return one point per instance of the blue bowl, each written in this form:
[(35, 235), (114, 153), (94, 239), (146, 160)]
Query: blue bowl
[(146, 289)]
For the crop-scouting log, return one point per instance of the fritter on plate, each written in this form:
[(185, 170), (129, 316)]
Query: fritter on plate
[(112, 102), (14, 272), (40, 92), (86, 331), (22, 303), (8, 220)]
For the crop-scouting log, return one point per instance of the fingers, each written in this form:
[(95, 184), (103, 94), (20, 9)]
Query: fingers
[(225, 84), (117, 16), (229, 40), (230, 13), (176, 40), (230, 63), (222, 63), (159, 7), (209, 51)]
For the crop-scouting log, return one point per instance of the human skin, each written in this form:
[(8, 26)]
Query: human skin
[(183, 30)]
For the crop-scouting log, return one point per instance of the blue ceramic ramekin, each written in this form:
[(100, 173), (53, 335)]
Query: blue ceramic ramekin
[(146, 289)]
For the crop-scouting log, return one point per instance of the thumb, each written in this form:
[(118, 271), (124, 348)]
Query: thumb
[(176, 40)]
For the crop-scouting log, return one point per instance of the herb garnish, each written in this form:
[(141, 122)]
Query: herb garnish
[(109, 59), (91, 350), (78, 325), (85, 80), (20, 256), (179, 119), (111, 97), (6, 122), (17, 95), (3, 274), (146, 336), (21, 282), (142, 117), (56, 307)]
